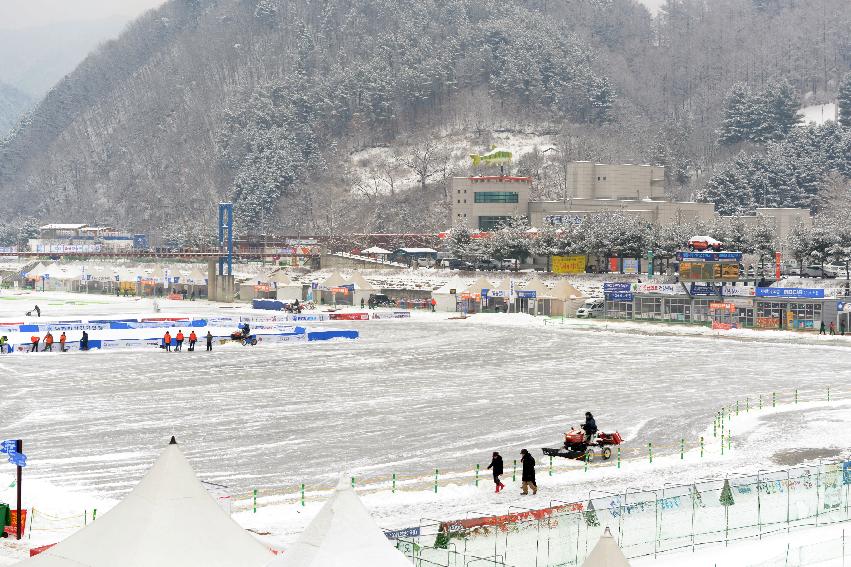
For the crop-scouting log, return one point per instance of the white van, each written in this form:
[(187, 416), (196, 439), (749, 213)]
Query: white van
[(591, 308)]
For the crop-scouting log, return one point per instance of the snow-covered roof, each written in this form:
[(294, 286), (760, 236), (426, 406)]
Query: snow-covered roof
[(375, 250), (537, 286), (168, 519), (342, 534), (334, 280), (360, 282), (62, 226), (480, 284), (564, 290), (418, 250), (606, 553)]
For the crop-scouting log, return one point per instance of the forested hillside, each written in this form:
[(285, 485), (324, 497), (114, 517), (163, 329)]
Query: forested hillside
[(13, 104), (267, 101)]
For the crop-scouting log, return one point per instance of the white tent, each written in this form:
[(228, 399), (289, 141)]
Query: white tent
[(168, 519), (444, 297), (376, 251), (334, 280), (606, 553), (342, 534)]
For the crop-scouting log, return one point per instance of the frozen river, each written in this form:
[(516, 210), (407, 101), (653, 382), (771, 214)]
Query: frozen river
[(406, 398)]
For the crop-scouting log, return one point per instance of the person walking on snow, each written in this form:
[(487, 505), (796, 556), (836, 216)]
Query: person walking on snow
[(832, 328), (179, 338), (62, 340), (842, 327), (48, 342), (34, 342), (209, 341), (193, 338), (37, 311), (528, 477), (167, 341), (84, 342), (433, 304), (821, 329), (496, 465)]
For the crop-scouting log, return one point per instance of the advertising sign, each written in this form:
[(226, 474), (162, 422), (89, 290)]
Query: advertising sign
[(497, 293), (617, 286), (708, 271), (710, 256), (405, 533), (737, 291), (620, 296), (350, 316), (569, 264), (794, 292), (526, 294), (630, 265), (708, 290), (664, 289)]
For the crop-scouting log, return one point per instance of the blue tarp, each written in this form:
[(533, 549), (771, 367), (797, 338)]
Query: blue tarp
[(268, 304), (328, 335)]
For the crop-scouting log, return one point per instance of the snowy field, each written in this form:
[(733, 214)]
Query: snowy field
[(408, 397)]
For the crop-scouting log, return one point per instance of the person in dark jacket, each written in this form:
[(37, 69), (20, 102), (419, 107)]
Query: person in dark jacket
[(496, 466), (209, 341), (589, 427), (528, 478), (84, 342)]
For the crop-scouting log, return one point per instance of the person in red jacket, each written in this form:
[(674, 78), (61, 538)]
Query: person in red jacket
[(193, 338), (179, 340), (62, 339), (34, 340), (167, 341), (48, 342)]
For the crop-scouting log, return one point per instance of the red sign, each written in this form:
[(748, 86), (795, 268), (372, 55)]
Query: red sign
[(350, 316), (777, 266), (11, 529)]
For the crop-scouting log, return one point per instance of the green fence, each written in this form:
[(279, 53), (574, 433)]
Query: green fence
[(643, 522)]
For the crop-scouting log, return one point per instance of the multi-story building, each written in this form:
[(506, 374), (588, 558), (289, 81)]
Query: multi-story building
[(60, 238)]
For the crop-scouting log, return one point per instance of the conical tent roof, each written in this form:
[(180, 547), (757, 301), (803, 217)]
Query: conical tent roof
[(455, 283), (505, 285), (480, 284), (360, 282), (334, 280), (606, 553), (168, 519), (279, 278), (342, 534), (538, 286), (564, 290)]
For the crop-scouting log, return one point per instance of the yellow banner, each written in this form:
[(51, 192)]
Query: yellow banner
[(569, 264)]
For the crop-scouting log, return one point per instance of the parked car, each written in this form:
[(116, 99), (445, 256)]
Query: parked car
[(456, 264), (424, 262), (702, 243), (380, 300), (488, 264), (510, 264), (817, 272), (591, 308)]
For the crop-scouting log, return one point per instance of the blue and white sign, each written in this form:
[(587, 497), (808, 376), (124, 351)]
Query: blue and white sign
[(794, 292), (497, 293), (526, 294), (610, 287), (404, 533), (620, 296), (10, 447), (18, 459), (709, 290), (710, 256)]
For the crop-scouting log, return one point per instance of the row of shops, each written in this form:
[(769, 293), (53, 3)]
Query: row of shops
[(727, 306)]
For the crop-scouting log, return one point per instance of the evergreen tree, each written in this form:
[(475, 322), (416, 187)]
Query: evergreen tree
[(739, 115), (459, 240), (591, 519), (844, 101), (779, 111), (726, 499)]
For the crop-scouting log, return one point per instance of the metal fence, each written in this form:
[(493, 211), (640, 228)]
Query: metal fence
[(644, 523)]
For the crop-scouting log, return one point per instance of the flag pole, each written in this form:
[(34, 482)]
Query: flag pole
[(20, 448)]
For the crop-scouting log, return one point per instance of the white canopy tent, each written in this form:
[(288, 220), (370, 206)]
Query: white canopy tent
[(342, 534), (446, 297), (168, 519)]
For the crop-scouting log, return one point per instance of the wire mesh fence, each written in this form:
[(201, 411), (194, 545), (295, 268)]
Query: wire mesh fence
[(647, 522)]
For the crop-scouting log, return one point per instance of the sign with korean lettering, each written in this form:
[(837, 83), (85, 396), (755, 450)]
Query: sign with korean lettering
[(795, 292), (574, 264)]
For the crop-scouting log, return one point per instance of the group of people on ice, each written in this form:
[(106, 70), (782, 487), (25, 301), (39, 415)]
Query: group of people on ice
[(176, 341), (528, 461), (47, 343)]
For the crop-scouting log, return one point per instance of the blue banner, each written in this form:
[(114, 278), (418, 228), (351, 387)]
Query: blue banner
[(524, 294), (9, 446), (617, 286), (405, 533), (710, 256), (620, 296), (697, 289), (793, 292)]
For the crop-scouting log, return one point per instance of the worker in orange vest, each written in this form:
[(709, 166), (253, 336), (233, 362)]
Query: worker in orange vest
[(433, 304), (179, 340), (193, 338), (62, 342), (34, 340), (48, 342), (167, 341)]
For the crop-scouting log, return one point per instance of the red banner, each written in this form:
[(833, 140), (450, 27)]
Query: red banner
[(36, 550), (349, 316), (777, 266), (10, 529)]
